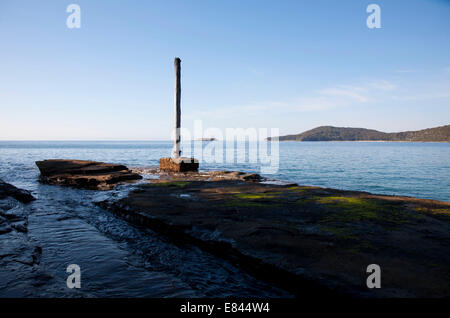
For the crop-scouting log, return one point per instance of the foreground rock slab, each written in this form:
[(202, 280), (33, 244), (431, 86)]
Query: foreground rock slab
[(84, 174), (308, 240)]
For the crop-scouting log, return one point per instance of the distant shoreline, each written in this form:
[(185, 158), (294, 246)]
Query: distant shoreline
[(169, 141), (331, 133), (405, 141)]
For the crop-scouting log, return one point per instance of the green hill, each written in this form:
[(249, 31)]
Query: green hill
[(330, 133)]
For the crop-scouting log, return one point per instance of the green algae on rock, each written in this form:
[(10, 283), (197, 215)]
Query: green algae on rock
[(307, 240)]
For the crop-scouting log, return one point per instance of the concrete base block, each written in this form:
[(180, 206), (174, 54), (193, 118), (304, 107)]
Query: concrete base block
[(178, 165)]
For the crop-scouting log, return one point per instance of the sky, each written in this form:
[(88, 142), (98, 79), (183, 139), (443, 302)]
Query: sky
[(292, 65)]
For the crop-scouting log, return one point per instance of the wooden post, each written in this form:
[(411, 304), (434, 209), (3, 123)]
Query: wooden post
[(177, 148), (176, 163)]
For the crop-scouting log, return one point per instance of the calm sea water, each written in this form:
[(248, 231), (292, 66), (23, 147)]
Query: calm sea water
[(412, 169), (120, 260)]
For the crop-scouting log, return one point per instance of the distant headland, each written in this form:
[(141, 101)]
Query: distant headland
[(330, 133)]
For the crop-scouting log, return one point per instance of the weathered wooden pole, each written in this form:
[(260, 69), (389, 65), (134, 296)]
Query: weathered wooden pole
[(176, 163), (177, 148)]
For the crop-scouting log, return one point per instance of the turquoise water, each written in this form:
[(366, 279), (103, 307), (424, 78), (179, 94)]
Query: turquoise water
[(412, 169)]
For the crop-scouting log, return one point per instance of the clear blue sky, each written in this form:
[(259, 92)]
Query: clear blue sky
[(293, 65)]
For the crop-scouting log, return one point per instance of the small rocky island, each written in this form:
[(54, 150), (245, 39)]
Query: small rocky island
[(310, 241)]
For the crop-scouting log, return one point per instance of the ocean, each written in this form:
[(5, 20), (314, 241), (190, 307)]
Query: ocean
[(396, 168), (121, 260)]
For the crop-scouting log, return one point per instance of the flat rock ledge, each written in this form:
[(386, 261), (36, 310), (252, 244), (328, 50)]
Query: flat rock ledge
[(84, 174), (203, 175), (310, 241)]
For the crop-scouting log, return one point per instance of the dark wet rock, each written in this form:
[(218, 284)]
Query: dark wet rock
[(20, 226), (84, 174), (251, 177), (36, 254), (18, 255), (310, 241), (41, 279), (16, 247), (7, 204), (11, 211), (8, 190), (5, 229), (225, 174), (64, 218), (204, 175)]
